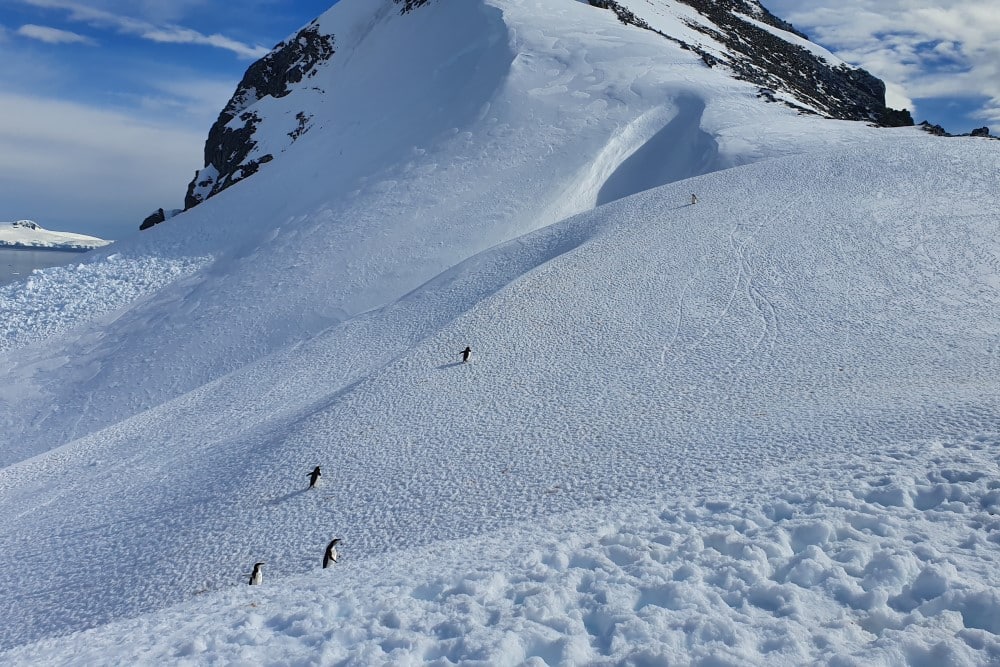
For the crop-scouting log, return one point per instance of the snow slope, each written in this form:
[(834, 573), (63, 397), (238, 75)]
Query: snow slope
[(27, 234), (762, 428), (545, 119), (649, 351)]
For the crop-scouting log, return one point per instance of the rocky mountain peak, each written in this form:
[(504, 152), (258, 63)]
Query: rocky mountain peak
[(231, 139), (740, 36)]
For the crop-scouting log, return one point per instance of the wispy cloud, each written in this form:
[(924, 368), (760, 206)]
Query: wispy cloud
[(52, 35), (164, 33), (177, 35), (931, 49)]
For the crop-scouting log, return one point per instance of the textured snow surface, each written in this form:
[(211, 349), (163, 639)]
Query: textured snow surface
[(760, 345), (870, 566), (55, 299), (762, 429)]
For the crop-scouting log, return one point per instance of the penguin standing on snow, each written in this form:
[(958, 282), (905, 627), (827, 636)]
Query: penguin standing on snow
[(257, 576), (331, 553), (466, 353), (314, 477), (694, 199)]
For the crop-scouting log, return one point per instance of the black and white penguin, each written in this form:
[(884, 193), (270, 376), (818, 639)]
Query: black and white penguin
[(314, 477), (257, 576), (331, 553), (694, 199), (466, 353)]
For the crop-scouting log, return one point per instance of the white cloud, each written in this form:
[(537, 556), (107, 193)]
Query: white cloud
[(932, 49), (177, 35), (145, 29), (196, 100), (67, 163), (52, 35)]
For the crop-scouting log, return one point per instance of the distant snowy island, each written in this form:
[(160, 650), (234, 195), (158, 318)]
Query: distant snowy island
[(27, 234)]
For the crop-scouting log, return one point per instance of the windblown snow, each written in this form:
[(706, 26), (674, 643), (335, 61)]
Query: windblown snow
[(759, 429)]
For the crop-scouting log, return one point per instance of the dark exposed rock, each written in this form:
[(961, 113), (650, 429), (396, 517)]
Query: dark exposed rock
[(155, 218), (303, 126), (980, 132), (773, 63), (158, 216), (936, 130), (229, 144), (410, 5), (785, 72)]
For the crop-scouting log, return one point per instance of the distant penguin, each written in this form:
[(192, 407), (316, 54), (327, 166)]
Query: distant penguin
[(314, 477), (694, 199), (466, 353), (257, 576), (331, 553)]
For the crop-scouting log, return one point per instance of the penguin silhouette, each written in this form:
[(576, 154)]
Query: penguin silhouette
[(257, 576), (466, 353), (694, 199), (331, 553), (314, 477)]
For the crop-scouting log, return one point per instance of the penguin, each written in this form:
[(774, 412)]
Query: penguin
[(466, 353), (314, 477), (257, 576), (331, 553), (694, 199)]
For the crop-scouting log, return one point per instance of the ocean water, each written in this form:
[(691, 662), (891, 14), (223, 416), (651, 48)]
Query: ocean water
[(18, 264)]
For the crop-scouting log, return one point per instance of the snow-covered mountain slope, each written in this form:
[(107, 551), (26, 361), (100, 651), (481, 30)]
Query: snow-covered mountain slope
[(814, 342), (496, 123), (649, 350), (300, 84), (28, 234)]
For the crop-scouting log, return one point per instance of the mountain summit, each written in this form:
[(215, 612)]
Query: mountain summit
[(292, 90)]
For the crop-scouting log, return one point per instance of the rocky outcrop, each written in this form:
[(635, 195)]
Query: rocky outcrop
[(158, 216), (784, 71), (775, 64), (410, 5), (936, 130), (231, 140), (154, 218), (230, 144)]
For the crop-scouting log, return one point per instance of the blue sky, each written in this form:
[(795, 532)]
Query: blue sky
[(105, 104)]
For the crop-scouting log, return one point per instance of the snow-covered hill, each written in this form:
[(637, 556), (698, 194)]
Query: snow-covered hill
[(28, 234), (757, 429)]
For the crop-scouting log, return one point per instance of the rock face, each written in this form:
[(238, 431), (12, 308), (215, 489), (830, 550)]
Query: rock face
[(154, 218), (764, 58), (230, 144), (746, 39), (980, 132), (158, 216)]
